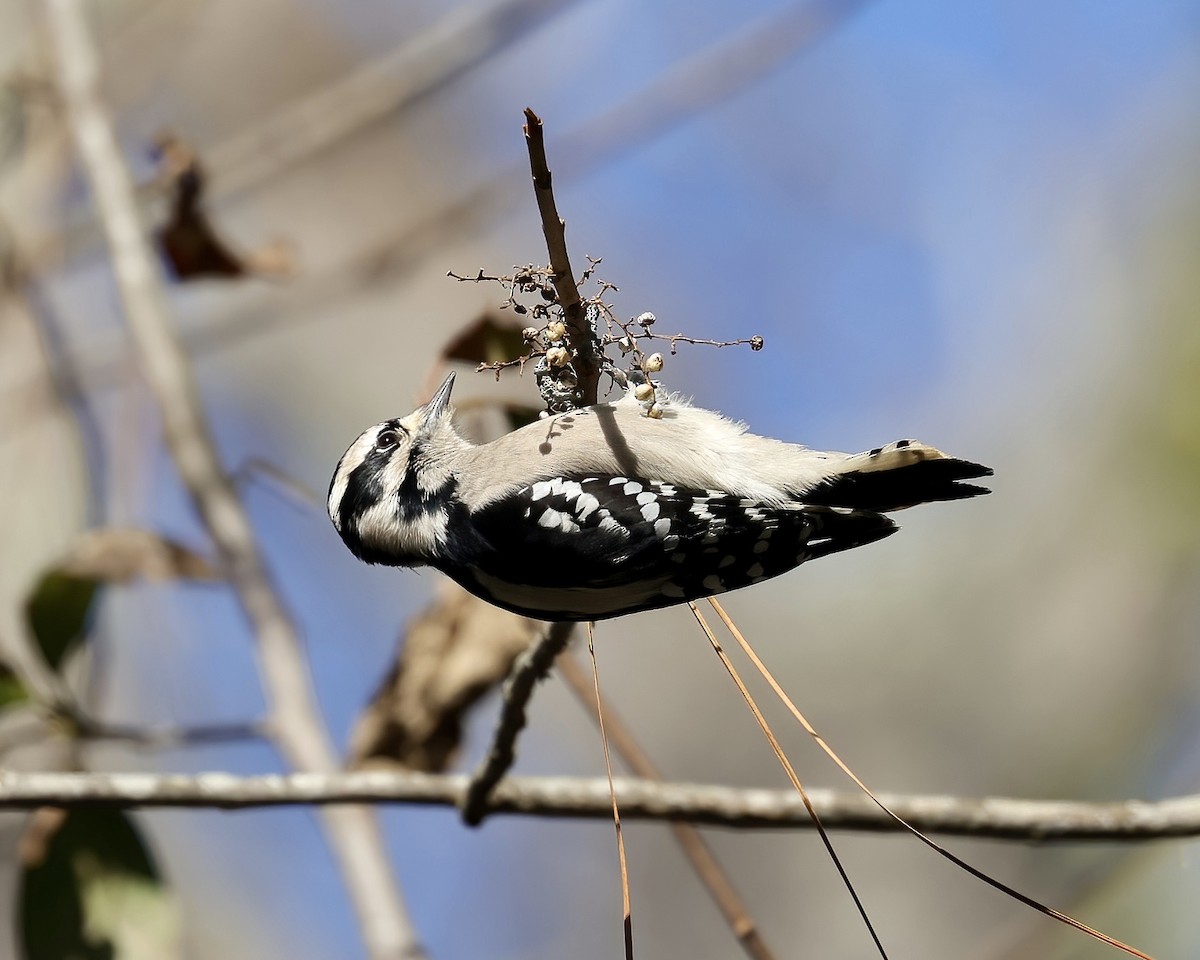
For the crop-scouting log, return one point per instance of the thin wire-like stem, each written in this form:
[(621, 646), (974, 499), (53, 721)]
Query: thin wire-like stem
[(789, 770), (691, 841), (928, 841), (626, 904)]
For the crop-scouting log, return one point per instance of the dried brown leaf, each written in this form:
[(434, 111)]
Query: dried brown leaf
[(121, 554), (188, 239), (490, 339), (451, 654)]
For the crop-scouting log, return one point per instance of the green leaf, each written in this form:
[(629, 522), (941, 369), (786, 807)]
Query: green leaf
[(57, 610), (11, 689), (57, 613), (96, 894)]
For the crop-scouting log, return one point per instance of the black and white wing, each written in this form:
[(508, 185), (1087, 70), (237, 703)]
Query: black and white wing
[(602, 546)]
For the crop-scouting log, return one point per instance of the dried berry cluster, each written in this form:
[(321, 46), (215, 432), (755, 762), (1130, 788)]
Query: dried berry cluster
[(531, 293)]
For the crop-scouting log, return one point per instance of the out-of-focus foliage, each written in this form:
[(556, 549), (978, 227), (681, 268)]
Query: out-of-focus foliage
[(60, 602), (58, 611), (92, 891)]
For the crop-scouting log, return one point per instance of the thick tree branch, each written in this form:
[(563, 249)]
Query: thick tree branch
[(354, 833), (994, 818)]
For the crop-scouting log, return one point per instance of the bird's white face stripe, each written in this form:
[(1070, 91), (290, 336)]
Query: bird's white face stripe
[(351, 460)]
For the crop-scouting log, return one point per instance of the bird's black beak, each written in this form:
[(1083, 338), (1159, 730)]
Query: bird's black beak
[(441, 400)]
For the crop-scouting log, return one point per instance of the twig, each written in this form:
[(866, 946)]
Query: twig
[(354, 833), (276, 480), (530, 667), (166, 738), (699, 854), (987, 818), (755, 343), (900, 820), (626, 903), (585, 359), (791, 775)]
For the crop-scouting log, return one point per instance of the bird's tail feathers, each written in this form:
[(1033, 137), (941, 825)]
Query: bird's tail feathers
[(840, 528), (899, 475)]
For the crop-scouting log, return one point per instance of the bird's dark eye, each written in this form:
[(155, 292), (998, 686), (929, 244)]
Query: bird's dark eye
[(386, 440)]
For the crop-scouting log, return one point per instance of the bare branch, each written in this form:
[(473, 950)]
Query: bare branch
[(168, 738), (530, 667), (301, 736), (993, 818), (754, 343), (586, 361)]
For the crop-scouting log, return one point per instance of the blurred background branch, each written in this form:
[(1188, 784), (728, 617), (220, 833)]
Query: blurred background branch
[(295, 718)]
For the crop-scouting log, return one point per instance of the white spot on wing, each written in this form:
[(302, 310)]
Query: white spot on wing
[(586, 506), (633, 487), (662, 527), (650, 511), (540, 489)]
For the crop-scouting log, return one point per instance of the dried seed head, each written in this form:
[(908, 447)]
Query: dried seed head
[(646, 319), (756, 343), (643, 391), (529, 334), (625, 344), (653, 363), (556, 330), (655, 412), (557, 357)]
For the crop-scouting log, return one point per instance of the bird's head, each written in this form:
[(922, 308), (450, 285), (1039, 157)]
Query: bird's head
[(390, 493)]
